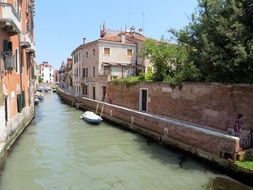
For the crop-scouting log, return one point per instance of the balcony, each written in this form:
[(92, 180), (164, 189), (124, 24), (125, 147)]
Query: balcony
[(104, 78), (31, 49), (10, 20), (25, 40)]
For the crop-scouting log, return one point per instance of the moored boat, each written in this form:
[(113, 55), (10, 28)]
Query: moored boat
[(91, 117), (36, 101)]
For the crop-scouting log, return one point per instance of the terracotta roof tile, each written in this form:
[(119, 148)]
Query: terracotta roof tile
[(115, 38), (130, 38)]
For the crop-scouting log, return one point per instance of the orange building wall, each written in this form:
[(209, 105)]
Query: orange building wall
[(11, 79)]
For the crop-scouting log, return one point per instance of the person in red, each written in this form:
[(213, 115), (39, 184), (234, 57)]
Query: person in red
[(238, 125)]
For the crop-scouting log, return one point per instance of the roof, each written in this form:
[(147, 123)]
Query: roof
[(116, 38), (45, 64), (132, 38), (82, 46)]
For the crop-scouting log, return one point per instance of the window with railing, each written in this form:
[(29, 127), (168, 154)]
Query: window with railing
[(9, 60)]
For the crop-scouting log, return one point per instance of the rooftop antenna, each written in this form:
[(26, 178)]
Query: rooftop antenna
[(143, 22)]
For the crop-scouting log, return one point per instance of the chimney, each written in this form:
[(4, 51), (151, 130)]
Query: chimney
[(123, 38), (132, 31), (84, 39), (141, 31)]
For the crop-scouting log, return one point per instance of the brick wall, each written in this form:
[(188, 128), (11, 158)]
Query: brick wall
[(209, 104), (203, 142)]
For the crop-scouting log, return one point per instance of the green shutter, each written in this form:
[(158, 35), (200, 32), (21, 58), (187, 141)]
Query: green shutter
[(5, 45)]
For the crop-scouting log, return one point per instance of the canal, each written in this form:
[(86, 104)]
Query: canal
[(60, 151)]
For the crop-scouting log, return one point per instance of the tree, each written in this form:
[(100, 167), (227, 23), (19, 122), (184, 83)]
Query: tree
[(169, 61), (220, 40), (161, 55), (40, 80)]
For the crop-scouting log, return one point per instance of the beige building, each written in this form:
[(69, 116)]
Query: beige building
[(114, 55)]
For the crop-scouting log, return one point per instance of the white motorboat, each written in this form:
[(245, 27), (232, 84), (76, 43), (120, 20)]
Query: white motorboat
[(36, 101), (91, 117)]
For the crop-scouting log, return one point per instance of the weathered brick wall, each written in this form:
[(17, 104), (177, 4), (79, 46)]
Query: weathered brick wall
[(209, 104), (203, 142)]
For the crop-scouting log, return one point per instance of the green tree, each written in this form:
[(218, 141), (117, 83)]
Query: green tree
[(220, 40), (40, 79), (169, 61), (161, 55)]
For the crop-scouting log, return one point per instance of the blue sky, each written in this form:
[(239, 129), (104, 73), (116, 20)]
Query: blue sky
[(60, 25)]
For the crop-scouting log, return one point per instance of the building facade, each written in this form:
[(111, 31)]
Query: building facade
[(114, 55), (17, 52), (47, 72), (56, 77), (69, 77)]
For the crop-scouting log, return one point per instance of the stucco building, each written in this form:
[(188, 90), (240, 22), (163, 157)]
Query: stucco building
[(114, 55), (47, 72), (17, 51)]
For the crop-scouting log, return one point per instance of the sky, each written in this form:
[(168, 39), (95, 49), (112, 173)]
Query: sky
[(60, 25)]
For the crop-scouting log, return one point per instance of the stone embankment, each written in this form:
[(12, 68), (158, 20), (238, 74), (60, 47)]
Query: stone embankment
[(206, 143), (14, 128)]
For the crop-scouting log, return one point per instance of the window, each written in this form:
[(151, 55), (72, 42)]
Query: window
[(107, 70), (85, 90), (94, 72), (87, 54), (107, 51), (87, 72), (84, 73), (94, 52), (28, 61), (129, 52)]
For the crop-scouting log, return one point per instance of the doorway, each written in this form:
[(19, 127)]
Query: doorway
[(94, 93), (104, 93), (143, 104)]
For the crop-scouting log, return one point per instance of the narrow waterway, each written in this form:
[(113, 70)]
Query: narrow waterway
[(60, 151)]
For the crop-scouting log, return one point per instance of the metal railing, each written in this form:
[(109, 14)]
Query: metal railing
[(9, 60)]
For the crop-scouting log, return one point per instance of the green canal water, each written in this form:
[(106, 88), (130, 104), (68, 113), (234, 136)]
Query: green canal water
[(60, 151)]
